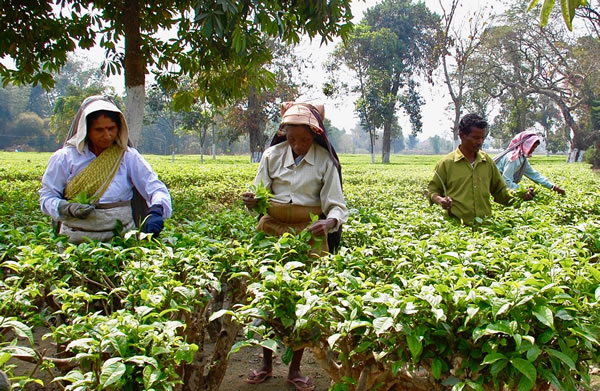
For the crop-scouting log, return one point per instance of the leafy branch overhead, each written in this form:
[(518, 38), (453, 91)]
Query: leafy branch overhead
[(567, 8), (220, 43)]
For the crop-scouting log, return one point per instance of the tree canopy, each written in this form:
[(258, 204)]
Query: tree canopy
[(394, 42), (219, 43)]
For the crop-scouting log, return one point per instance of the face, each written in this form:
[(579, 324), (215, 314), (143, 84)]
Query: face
[(533, 147), (102, 134), (471, 143), (300, 138)]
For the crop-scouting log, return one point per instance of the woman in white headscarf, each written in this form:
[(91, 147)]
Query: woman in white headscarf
[(302, 170), (89, 183), (513, 163)]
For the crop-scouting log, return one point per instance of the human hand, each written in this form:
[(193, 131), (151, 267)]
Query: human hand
[(154, 222), (74, 209), (322, 227), (249, 200), (529, 194), (445, 202), (558, 190)]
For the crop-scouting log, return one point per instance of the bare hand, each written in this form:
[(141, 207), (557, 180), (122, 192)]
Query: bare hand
[(529, 194), (249, 200), (445, 202), (322, 227), (558, 190)]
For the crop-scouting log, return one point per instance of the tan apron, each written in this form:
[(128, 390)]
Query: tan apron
[(282, 218)]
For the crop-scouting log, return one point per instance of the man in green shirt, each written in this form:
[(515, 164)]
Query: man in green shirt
[(465, 179)]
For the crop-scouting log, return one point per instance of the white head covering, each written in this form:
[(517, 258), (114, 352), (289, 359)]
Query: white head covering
[(78, 131)]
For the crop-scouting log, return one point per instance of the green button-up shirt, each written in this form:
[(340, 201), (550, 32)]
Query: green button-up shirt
[(469, 186)]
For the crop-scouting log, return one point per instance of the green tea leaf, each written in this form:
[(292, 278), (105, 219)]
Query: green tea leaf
[(414, 345), (112, 371), (436, 368), (263, 197), (381, 325), (544, 315), (526, 368), (491, 358), (562, 357)]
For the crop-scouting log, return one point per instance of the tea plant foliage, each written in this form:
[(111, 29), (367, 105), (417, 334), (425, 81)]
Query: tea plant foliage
[(413, 300)]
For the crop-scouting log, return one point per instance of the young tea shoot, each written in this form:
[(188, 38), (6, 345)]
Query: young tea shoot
[(262, 196)]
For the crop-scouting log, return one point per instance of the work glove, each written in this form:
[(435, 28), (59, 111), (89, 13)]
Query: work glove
[(74, 209), (154, 223)]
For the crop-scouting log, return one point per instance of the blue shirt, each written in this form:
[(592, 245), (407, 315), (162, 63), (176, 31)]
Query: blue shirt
[(513, 171)]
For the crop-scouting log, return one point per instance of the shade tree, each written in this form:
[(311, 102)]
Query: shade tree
[(220, 43), (536, 62), (396, 43)]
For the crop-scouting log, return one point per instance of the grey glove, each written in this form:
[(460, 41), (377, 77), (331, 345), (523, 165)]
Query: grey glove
[(74, 209)]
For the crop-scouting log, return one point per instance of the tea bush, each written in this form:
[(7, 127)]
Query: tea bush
[(413, 300)]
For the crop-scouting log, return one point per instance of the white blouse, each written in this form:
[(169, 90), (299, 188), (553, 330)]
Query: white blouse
[(313, 182), (134, 170)]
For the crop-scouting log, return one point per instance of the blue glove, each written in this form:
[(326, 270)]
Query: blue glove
[(154, 221)]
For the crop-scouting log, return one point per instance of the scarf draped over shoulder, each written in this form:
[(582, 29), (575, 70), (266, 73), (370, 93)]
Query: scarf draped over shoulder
[(97, 176)]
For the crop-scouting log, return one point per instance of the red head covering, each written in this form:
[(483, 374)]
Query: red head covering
[(525, 141)]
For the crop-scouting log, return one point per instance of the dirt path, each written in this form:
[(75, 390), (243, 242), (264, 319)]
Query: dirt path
[(247, 359)]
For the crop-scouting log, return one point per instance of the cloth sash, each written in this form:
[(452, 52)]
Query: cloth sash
[(100, 224), (282, 218), (520, 171), (95, 178)]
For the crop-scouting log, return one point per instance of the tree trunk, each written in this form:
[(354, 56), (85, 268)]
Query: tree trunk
[(455, 128), (387, 141), (135, 70), (576, 145), (214, 143), (255, 130), (372, 138)]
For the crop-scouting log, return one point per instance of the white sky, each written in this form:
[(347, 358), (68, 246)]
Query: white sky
[(436, 113)]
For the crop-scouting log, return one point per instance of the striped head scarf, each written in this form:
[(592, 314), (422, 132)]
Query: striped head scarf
[(295, 113), (522, 144)]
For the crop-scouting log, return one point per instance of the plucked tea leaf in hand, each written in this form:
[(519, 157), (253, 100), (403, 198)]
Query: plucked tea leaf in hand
[(82, 198), (262, 196)]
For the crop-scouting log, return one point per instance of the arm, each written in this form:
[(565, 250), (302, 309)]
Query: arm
[(498, 188), (263, 172), (147, 183), (436, 189), (53, 184), (535, 176), (333, 203), (508, 172)]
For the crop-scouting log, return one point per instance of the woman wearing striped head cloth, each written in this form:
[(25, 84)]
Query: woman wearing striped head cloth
[(302, 170), (513, 163), (90, 182)]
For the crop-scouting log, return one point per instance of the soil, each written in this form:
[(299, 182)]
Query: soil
[(247, 359)]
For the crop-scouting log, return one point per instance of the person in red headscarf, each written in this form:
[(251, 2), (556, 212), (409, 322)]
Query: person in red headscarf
[(302, 170), (513, 163)]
